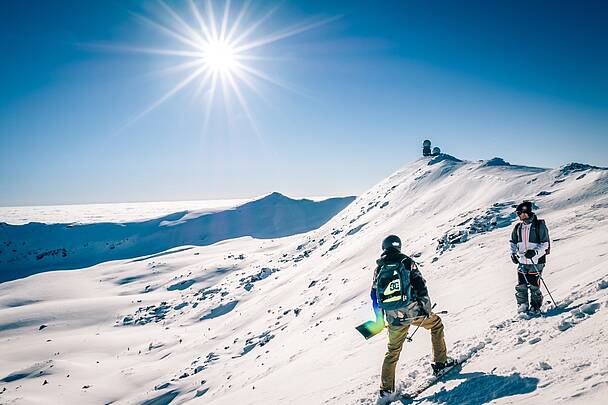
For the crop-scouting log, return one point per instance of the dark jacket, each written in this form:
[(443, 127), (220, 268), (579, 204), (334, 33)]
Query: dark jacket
[(421, 303)]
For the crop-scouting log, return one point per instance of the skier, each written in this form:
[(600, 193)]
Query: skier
[(400, 292), (529, 247)]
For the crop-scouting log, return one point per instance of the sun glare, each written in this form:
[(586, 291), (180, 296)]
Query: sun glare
[(217, 52)]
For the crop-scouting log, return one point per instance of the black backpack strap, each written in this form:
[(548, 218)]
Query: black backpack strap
[(520, 237)]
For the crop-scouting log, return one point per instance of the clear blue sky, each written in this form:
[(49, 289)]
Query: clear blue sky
[(526, 81)]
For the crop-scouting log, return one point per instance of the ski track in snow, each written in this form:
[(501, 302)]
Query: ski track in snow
[(250, 321)]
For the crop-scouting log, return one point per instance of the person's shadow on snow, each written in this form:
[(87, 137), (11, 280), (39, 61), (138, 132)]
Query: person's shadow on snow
[(480, 388)]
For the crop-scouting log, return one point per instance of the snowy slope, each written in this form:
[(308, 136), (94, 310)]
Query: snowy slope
[(35, 247), (251, 321)]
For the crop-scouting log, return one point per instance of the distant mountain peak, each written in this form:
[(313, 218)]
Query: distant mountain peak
[(274, 196), (577, 167)]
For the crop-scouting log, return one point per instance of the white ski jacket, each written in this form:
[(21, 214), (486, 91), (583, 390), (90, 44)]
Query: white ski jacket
[(525, 237)]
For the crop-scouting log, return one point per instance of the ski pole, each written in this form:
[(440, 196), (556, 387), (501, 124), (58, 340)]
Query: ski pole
[(522, 270), (545, 284), (409, 338)]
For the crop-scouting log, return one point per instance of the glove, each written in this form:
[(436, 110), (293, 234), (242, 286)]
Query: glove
[(514, 258), (425, 307), (530, 253)]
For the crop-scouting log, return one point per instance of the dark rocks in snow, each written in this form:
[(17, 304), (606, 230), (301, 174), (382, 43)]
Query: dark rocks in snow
[(265, 272), (531, 181), (590, 308), (500, 215), (495, 162), (163, 399), (334, 246), (444, 157), (355, 229), (575, 167), (543, 193), (200, 393), (603, 284), (207, 293), (220, 310), (42, 327), (543, 365), (145, 315), (259, 340), (182, 285)]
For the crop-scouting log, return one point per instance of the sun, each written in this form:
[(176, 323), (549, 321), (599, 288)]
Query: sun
[(217, 52), (220, 57)]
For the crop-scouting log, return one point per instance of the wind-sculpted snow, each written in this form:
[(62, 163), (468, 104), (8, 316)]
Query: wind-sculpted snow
[(271, 321), (35, 247)]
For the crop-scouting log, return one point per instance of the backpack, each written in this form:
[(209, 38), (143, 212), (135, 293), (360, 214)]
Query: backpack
[(393, 286)]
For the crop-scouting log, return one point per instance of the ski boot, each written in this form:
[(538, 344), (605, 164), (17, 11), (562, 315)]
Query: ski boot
[(522, 308), (439, 368), (386, 396)]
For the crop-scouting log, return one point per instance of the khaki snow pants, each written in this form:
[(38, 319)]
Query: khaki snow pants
[(396, 337)]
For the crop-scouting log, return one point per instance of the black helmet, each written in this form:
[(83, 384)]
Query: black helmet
[(391, 242), (524, 207)]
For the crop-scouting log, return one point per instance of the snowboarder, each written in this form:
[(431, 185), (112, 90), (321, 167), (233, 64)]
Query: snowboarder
[(529, 247), (400, 293)]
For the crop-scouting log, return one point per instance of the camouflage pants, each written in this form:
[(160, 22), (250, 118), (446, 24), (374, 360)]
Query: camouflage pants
[(396, 337)]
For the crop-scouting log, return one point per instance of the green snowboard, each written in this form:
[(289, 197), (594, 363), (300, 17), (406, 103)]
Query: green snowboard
[(370, 328)]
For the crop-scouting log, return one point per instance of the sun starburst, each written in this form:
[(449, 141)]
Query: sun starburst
[(217, 52)]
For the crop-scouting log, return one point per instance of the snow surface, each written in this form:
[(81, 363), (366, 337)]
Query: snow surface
[(250, 321)]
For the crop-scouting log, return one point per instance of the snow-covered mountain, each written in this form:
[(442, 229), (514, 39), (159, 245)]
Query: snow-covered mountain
[(35, 247), (251, 321)]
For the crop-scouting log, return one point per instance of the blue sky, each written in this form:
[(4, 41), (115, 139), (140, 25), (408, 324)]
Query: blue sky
[(526, 82)]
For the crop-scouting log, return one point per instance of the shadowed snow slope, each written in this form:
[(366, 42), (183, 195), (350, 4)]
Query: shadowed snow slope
[(35, 247), (250, 321)]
